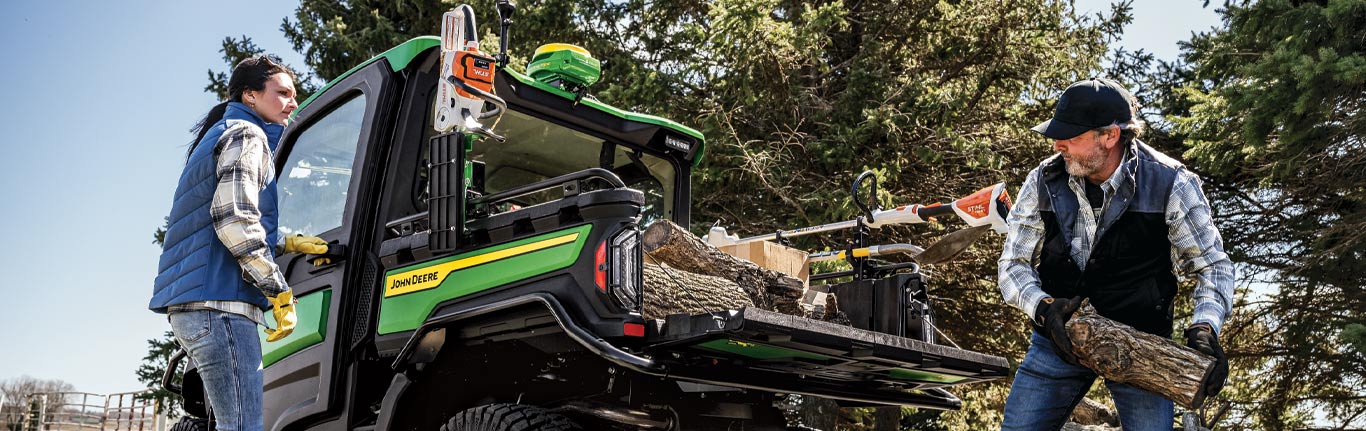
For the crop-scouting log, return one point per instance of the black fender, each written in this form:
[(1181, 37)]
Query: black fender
[(191, 386), (422, 346), (426, 341)]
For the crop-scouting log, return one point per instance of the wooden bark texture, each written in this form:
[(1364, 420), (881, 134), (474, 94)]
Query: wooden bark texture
[(1092, 412), (819, 413), (673, 291), (887, 419), (1149, 362), (770, 255), (830, 312), (670, 243)]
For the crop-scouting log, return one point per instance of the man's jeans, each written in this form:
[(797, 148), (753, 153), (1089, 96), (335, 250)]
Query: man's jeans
[(227, 351), (1046, 389)]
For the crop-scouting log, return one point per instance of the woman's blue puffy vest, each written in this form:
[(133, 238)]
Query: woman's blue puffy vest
[(195, 265)]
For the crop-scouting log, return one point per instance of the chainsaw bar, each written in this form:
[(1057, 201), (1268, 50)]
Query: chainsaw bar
[(951, 245)]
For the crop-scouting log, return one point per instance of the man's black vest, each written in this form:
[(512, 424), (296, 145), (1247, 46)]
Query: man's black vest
[(1129, 275)]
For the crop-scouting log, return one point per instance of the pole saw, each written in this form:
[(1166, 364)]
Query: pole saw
[(986, 207), (466, 78), (945, 249)]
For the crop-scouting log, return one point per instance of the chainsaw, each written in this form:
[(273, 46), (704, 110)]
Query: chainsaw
[(467, 76)]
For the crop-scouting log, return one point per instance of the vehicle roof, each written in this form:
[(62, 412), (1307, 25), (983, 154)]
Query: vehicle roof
[(400, 56)]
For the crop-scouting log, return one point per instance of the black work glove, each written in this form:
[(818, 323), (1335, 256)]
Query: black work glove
[(1052, 314), (1202, 338)]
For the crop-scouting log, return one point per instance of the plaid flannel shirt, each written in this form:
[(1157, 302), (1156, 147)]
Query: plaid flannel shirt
[(245, 166), (234, 307), (1197, 247)]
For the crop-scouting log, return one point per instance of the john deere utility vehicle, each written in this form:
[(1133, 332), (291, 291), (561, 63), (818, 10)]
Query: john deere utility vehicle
[(485, 267)]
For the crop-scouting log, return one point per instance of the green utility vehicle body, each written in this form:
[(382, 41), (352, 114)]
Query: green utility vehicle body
[(466, 272)]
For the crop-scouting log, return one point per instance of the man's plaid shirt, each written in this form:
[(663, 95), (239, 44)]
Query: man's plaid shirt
[(1197, 247), (245, 166)]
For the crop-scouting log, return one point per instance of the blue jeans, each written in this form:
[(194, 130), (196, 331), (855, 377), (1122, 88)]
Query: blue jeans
[(1046, 389), (227, 351)]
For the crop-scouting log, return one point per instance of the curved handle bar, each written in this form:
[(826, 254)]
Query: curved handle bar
[(171, 366), (499, 105), (853, 191)]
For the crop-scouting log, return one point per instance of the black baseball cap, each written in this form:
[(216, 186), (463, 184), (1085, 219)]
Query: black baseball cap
[(1087, 105)]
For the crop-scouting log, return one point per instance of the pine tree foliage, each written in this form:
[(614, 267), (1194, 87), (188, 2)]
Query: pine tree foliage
[(153, 367), (1269, 110), (159, 352), (236, 49)]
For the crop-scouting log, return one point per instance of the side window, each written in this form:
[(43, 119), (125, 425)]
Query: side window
[(314, 181)]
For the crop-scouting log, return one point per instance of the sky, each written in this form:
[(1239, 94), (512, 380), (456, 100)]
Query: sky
[(96, 107), (95, 113)]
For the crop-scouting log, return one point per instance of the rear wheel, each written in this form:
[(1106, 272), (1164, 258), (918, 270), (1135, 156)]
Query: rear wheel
[(189, 423), (508, 417)]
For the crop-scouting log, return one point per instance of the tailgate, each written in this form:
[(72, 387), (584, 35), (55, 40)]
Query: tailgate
[(761, 349)]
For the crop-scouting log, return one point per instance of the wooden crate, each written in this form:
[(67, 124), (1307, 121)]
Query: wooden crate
[(773, 256)]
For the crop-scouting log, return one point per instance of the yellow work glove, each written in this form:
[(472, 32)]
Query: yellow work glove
[(305, 245), (284, 316)]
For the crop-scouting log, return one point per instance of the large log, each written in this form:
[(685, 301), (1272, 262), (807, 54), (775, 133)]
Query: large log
[(1121, 353), (774, 256), (666, 242), (673, 291)]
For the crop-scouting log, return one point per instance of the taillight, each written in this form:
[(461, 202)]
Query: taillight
[(600, 267), (624, 268), (633, 330)]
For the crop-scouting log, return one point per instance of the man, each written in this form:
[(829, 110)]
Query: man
[(1112, 220)]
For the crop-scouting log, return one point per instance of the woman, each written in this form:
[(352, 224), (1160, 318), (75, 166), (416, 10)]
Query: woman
[(217, 272)]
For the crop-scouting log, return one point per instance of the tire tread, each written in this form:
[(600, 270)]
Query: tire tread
[(506, 417), (190, 423)]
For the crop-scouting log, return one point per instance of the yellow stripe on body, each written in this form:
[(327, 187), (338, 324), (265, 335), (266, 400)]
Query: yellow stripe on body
[(432, 276)]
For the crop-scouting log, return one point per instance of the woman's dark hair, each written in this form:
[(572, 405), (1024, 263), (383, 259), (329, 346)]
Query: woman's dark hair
[(250, 74)]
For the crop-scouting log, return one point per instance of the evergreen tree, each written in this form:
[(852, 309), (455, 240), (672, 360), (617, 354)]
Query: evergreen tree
[(153, 367), (159, 352), (235, 50), (1268, 110)]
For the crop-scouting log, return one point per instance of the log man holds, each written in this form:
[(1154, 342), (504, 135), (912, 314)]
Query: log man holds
[(1113, 220)]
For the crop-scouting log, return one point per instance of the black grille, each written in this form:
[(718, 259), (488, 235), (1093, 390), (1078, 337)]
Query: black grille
[(369, 283), (446, 176)]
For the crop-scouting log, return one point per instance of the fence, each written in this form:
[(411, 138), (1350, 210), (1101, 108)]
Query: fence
[(79, 411)]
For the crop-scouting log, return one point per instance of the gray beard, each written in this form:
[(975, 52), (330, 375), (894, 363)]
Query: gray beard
[(1085, 167)]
